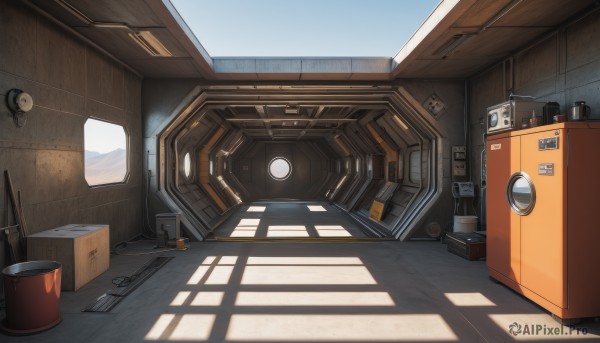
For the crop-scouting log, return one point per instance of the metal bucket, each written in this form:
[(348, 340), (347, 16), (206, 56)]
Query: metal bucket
[(32, 293), (465, 223)]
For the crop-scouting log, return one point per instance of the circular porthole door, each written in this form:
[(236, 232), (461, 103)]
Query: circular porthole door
[(280, 168), (520, 193)]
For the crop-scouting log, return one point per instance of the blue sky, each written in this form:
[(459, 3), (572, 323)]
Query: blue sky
[(103, 137), (324, 28)]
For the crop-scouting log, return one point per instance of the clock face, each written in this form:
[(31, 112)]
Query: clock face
[(24, 102), (493, 119)]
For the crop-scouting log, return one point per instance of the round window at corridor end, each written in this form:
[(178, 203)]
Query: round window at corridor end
[(187, 165), (280, 168)]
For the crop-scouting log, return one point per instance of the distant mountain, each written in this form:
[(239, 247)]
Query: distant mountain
[(89, 154), (104, 168)]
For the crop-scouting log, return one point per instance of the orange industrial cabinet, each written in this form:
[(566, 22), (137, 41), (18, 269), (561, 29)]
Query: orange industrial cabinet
[(543, 215)]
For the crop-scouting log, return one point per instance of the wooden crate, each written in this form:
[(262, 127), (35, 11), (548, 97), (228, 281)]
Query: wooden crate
[(83, 250)]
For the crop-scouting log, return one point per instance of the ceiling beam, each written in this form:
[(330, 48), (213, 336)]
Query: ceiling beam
[(270, 120), (263, 115)]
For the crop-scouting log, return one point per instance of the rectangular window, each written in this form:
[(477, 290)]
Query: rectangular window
[(105, 146)]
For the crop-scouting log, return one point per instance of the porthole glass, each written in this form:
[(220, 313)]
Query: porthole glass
[(280, 168), (494, 119), (105, 157), (187, 165), (521, 194)]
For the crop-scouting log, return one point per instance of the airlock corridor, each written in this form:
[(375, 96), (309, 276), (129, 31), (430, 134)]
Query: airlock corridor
[(345, 146), (158, 188)]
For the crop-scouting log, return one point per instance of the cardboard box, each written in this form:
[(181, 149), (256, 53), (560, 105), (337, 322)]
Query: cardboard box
[(376, 211), (82, 249)]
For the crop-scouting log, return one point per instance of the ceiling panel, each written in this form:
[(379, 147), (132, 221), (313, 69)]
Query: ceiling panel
[(118, 42), (480, 13), (159, 67), (133, 12), (549, 13), (502, 27)]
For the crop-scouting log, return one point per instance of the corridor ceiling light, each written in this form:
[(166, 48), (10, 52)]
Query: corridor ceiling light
[(292, 109), (150, 43), (400, 122)]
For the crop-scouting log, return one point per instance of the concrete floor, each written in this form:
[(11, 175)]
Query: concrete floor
[(304, 292), (289, 219)]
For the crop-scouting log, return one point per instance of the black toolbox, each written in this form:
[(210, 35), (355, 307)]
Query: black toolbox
[(469, 245)]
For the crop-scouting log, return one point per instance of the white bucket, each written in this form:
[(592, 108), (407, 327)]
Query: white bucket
[(465, 223)]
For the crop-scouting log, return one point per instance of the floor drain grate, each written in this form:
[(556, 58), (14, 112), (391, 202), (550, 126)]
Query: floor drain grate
[(110, 299)]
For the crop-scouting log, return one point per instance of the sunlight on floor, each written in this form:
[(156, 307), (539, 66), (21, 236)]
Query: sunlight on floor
[(208, 299), (316, 261), (307, 275), (469, 299), (316, 208), (214, 271), (274, 286), (249, 222), (256, 209), (180, 298), (332, 231), (159, 328), (539, 327), (201, 299), (218, 275), (287, 231), (221, 260), (193, 327), (345, 328), (246, 228), (314, 299), (186, 327), (244, 231)]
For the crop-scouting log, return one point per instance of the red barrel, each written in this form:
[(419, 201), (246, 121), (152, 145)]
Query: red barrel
[(32, 293)]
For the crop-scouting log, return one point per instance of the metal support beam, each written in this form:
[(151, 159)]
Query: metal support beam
[(262, 113), (270, 120)]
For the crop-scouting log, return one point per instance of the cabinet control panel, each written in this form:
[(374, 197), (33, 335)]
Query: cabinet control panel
[(459, 162), (463, 190)]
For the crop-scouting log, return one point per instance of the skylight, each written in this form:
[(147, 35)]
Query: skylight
[(301, 28)]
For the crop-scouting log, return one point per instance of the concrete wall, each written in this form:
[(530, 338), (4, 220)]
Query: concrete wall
[(451, 123), (563, 67), (69, 82), (160, 97)]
